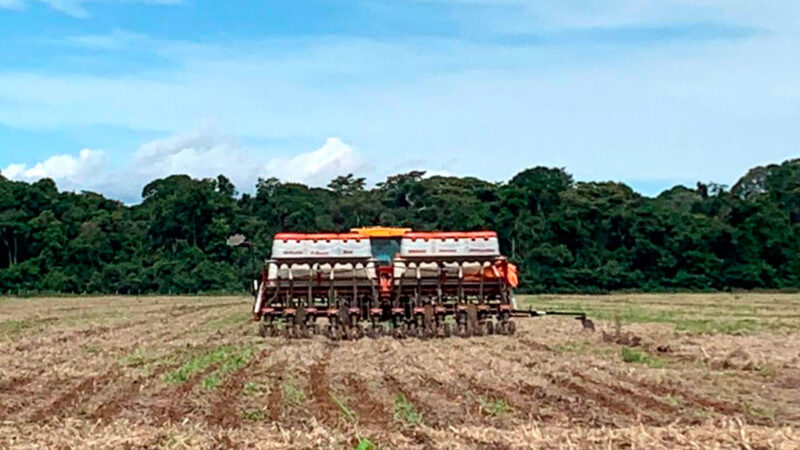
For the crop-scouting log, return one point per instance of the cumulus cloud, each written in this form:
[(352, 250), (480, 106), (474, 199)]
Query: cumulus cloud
[(664, 108), (70, 172), (207, 152), (202, 153), (319, 166)]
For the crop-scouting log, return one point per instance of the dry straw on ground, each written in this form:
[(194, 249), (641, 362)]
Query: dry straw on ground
[(156, 372)]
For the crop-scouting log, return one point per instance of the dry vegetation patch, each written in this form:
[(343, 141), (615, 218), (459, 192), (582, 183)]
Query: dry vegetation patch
[(161, 372)]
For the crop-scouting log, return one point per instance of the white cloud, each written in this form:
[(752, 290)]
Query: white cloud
[(177, 149), (681, 109), (201, 153), (70, 172), (701, 112), (207, 152), (318, 167)]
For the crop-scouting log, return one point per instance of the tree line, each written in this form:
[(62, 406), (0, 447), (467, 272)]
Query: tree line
[(565, 236)]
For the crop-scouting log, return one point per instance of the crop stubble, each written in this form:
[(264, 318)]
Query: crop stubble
[(94, 373)]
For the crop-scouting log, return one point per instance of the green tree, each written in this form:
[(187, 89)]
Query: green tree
[(565, 236)]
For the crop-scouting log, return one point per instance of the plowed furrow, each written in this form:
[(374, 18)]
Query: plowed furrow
[(325, 409), (174, 330), (187, 309), (274, 400), (178, 407), (80, 393), (124, 396), (533, 345), (454, 392), (621, 413), (430, 416), (74, 336), (11, 388), (642, 400), (491, 392), (549, 406), (369, 412), (15, 384), (224, 411), (692, 399)]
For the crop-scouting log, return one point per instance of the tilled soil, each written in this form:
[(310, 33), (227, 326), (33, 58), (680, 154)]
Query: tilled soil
[(158, 372)]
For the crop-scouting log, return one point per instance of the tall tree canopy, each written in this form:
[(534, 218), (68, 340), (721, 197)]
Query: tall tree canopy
[(566, 236)]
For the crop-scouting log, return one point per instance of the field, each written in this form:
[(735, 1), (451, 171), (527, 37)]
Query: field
[(661, 371)]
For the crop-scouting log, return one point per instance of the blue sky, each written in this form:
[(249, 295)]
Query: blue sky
[(106, 95)]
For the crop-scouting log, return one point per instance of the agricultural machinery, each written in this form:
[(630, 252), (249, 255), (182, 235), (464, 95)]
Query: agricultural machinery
[(388, 281)]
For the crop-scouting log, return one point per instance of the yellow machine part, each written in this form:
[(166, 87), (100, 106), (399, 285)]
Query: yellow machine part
[(381, 231)]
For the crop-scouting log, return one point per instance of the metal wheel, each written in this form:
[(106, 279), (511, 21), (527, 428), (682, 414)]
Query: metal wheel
[(354, 332), (334, 332), (502, 327), (482, 329), (374, 332)]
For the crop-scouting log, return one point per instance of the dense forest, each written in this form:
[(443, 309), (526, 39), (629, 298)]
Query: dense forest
[(566, 236)]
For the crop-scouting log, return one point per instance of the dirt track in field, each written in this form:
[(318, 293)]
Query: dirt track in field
[(157, 372)]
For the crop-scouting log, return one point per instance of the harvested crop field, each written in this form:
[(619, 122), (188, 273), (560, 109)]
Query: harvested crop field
[(661, 371)]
